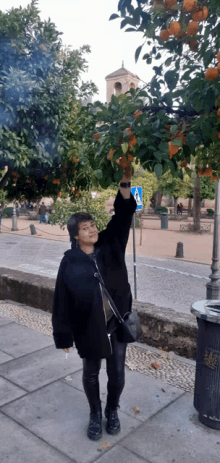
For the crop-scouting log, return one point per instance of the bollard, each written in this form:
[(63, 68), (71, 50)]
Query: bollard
[(179, 250), (14, 220), (33, 230)]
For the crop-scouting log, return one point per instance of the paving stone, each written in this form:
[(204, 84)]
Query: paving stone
[(60, 415), (119, 454), (176, 435), (9, 392), (40, 368), (20, 446), (18, 340), (5, 357), (137, 392), (4, 321)]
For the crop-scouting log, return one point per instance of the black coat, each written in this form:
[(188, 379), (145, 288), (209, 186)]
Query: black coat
[(78, 314)]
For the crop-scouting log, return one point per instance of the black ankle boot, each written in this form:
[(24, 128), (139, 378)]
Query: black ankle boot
[(113, 424), (94, 431)]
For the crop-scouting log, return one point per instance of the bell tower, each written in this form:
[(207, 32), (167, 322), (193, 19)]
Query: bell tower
[(120, 81)]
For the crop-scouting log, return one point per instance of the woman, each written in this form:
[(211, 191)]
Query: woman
[(82, 313)]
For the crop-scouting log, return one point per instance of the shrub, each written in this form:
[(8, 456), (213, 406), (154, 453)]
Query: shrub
[(95, 207), (210, 211), (160, 209), (8, 212)]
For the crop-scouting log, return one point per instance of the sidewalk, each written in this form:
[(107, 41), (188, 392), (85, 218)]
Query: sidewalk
[(44, 412), (155, 242)]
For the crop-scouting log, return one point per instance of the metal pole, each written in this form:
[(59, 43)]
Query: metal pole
[(134, 258), (14, 220), (213, 287)]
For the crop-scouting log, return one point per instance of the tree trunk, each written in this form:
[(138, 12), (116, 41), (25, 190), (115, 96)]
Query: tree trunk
[(196, 204), (175, 206), (157, 198), (190, 210)]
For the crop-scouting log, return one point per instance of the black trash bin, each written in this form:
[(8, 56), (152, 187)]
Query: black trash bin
[(207, 382), (164, 220)]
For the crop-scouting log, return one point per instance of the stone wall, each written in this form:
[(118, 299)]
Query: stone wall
[(161, 327)]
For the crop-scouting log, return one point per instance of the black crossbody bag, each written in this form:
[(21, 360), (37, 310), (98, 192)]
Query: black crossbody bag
[(129, 329)]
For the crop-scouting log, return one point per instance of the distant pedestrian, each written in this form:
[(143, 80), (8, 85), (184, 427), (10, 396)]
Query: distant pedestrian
[(179, 209), (42, 213), (82, 312)]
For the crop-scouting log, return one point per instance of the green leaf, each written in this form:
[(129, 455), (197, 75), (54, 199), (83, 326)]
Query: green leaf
[(174, 129), (113, 16), (137, 53), (98, 174), (124, 147), (177, 142), (158, 170), (171, 78)]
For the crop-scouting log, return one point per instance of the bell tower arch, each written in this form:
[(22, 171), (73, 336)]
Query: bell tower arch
[(120, 81)]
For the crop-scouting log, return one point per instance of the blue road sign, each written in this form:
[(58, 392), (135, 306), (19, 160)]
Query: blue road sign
[(137, 193)]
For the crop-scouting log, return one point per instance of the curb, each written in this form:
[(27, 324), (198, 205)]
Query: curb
[(161, 327)]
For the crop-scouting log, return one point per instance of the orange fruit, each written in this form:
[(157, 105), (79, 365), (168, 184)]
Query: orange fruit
[(213, 178), (205, 13), (198, 16), (75, 159), (133, 140), (164, 35), (208, 171), (130, 157), (123, 162), (172, 149), (59, 193), (137, 114), (193, 45), (192, 28), (200, 172), (183, 164), (188, 5), (211, 74), (111, 152), (218, 112), (169, 3), (218, 56), (72, 188), (128, 131), (96, 136), (175, 28)]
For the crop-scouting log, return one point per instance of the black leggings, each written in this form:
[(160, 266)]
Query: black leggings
[(115, 367)]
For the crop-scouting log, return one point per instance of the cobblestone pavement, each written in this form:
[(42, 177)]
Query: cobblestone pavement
[(178, 372), (167, 283)]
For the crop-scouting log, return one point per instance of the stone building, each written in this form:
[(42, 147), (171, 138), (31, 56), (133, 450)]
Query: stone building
[(120, 81)]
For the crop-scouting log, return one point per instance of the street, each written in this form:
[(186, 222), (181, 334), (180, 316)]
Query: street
[(169, 283)]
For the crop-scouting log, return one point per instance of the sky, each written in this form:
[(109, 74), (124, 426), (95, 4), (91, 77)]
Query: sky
[(86, 22)]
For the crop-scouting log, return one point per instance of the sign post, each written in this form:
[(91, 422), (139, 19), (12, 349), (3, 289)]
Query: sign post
[(137, 193)]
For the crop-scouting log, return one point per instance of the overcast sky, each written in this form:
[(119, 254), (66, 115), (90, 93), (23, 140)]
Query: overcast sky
[(87, 22)]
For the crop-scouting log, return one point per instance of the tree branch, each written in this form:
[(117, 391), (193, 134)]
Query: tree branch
[(5, 178), (170, 110)]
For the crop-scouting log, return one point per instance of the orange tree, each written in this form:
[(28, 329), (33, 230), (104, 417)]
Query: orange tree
[(179, 110)]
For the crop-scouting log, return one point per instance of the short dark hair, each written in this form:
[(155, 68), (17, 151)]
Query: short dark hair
[(73, 223)]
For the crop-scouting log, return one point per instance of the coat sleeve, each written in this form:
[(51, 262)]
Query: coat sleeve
[(62, 332), (120, 223)]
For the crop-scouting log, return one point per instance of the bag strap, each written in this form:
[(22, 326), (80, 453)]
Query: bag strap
[(99, 277), (118, 315)]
